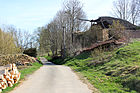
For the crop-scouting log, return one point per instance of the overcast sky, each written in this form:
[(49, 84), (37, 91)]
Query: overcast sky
[(30, 14)]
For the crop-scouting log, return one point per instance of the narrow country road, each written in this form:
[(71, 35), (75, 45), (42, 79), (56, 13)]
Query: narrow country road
[(52, 78)]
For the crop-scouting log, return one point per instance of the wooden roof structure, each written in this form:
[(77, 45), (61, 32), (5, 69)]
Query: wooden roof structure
[(105, 21)]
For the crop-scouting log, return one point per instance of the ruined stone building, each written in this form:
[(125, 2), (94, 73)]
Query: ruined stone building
[(99, 31)]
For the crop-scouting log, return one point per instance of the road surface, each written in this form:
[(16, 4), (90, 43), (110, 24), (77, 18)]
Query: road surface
[(52, 78)]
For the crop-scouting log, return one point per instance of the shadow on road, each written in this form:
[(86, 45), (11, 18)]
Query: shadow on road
[(45, 61), (48, 63)]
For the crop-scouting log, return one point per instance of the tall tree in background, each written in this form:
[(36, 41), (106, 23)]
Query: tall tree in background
[(63, 26), (7, 43), (127, 9), (73, 10), (43, 40), (121, 9), (53, 37), (135, 11), (22, 39)]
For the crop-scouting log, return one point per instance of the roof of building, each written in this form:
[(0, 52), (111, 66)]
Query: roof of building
[(105, 21)]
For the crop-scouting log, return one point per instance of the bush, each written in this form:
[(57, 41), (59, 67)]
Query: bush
[(116, 30), (49, 58), (30, 52)]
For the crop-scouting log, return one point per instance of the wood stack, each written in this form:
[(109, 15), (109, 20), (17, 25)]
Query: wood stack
[(9, 76), (17, 58)]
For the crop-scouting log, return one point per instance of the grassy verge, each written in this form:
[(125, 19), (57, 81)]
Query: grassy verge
[(116, 71), (48, 57), (24, 72)]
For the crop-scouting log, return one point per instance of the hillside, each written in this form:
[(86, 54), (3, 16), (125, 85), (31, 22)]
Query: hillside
[(109, 71)]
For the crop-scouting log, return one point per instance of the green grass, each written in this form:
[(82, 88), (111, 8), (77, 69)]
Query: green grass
[(24, 73), (115, 71), (48, 57), (38, 57)]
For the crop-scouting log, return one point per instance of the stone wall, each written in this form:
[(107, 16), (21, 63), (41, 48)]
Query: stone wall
[(103, 35), (134, 33)]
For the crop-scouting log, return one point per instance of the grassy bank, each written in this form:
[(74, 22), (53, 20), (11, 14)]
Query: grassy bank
[(48, 57), (24, 73), (116, 71)]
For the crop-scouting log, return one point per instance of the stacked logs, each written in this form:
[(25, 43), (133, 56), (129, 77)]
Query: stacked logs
[(17, 58), (10, 76)]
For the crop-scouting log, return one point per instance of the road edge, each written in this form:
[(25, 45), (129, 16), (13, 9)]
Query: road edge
[(85, 81)]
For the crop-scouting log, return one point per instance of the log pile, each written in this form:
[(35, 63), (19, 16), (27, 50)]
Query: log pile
[(18, 59), (9, 76)]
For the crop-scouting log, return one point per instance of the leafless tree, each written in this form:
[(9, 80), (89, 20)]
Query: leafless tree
[(61, 29), (121, 9), (23, 39), (43, 40), (127, 9), (52, 27), (73, 10), (135, 10)]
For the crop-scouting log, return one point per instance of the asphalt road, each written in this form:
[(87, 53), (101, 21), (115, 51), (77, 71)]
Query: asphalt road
[(52, 78)]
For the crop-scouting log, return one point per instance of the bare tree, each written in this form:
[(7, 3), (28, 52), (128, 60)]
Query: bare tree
[(73, 10), (61, 29), (121, 9), (52, 27), (43, 40), (135, 10), (127, 9)]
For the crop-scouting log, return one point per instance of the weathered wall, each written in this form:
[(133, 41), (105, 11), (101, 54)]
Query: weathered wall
[(103, 35), (134, 33)]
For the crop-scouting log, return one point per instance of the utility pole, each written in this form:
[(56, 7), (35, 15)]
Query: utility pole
[(64, 50)]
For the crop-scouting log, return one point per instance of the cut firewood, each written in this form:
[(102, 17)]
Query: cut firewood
[(3, 85), (9, 75), (2, 79), (0, 86), (9, 79), (10, 84)]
